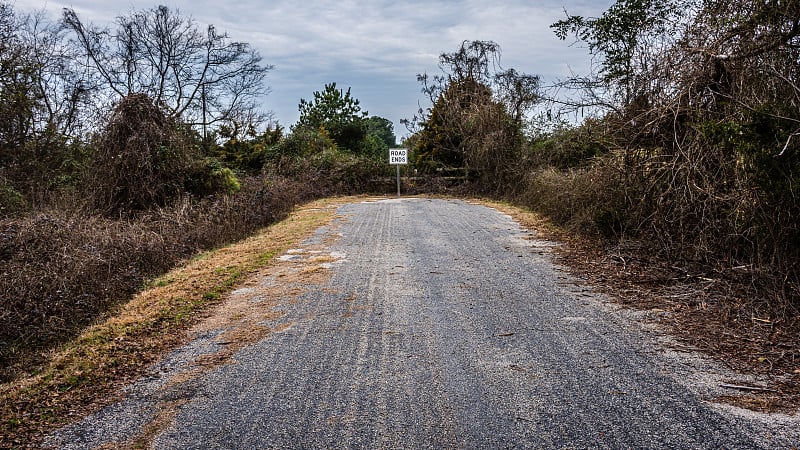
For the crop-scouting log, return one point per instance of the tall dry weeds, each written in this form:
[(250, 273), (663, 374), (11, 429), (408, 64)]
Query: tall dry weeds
[(63, 268)]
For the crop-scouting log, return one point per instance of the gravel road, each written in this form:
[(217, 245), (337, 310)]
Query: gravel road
[(418, 323)]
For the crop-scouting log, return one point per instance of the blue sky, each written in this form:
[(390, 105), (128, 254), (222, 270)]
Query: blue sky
[(375, 47)]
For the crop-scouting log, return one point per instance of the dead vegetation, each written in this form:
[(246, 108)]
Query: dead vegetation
[(87, 370), (142, 159), (64, 268), (711, 312)]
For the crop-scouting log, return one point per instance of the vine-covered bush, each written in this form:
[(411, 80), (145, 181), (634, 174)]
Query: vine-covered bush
[(142, 158)]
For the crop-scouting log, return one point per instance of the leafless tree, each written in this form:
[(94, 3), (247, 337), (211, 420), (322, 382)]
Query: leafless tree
[(60, 87), (199, 76)]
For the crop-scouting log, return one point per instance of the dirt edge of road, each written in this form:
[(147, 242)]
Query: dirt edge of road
[(702, 313), (86, 373)]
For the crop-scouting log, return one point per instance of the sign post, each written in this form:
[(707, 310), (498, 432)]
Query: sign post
[(398, 156)]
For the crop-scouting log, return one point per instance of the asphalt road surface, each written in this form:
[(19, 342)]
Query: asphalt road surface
[(420, 323)]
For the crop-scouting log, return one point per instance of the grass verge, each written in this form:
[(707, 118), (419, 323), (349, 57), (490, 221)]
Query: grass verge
[(86, 372)]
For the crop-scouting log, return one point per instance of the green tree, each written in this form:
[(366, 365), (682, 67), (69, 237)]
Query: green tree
[(477, 114), (383, 129), (337, 112), (245, 151)]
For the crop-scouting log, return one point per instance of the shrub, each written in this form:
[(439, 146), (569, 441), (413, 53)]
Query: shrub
[(244, 153), (142, 159), (570, 147), (300, 143), (12, 202), (335, 172), (588, 200), (64, 268), (211, 176)]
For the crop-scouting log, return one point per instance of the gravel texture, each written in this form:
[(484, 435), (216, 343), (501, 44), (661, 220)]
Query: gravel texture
[(442, 324)]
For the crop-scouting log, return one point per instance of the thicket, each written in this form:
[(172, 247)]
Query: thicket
[(702, 160), (112, 171), (692, 150), (476, 119)]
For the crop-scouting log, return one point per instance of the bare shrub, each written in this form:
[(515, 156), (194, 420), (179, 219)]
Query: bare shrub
[(62, 269), (590, 200), (141, 158)]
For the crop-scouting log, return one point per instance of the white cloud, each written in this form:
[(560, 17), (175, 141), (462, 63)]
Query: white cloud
[(377, 47)]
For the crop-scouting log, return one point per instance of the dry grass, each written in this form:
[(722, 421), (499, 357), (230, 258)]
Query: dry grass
[(86, 371), (64, 267)]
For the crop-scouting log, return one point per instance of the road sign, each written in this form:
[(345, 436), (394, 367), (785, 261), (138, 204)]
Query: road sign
[(398, 156)]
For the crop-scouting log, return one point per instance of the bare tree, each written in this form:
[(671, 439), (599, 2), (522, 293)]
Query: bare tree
[(62, 90), (200, 76)]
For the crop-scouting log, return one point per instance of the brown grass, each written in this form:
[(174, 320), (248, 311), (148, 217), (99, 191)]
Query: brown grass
[(63, 268), (86, 371)]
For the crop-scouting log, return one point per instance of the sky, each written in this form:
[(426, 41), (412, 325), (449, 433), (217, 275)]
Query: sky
[(375, 47)]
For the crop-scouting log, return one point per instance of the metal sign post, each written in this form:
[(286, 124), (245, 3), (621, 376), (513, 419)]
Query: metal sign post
[(398, 156), (398, 180)]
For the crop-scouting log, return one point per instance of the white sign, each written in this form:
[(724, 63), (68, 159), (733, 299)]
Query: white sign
[(398, 156)]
